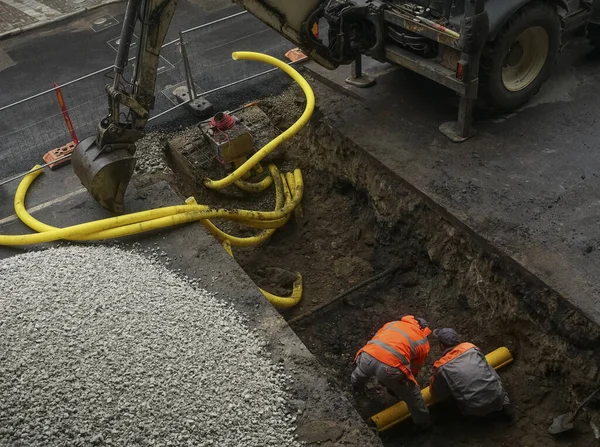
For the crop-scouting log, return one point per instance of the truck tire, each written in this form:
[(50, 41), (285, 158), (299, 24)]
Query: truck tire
[(516, 64)]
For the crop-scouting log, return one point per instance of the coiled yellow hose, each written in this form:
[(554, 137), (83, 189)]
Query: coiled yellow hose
[(135, 223)]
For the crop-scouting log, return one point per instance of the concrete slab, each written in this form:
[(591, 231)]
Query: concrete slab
[(328, 419), (527, 183)]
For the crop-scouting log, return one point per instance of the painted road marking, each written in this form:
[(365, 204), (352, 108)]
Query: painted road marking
[(44, 205), (33, 9)]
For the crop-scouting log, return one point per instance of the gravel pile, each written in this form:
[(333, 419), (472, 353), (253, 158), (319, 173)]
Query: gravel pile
[(101, 346)]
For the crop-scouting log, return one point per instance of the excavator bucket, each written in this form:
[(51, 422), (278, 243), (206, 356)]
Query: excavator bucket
[(104, 174)]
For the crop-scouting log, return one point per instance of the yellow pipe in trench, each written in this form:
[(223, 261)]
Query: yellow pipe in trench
[(397, 413), (254, 187), (281, 302), (275, 142)]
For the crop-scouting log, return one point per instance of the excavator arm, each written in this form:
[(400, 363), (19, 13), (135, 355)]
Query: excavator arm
[(104, 163)]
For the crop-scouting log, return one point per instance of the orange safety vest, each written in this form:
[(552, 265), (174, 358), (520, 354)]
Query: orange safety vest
[(400, 344), (459, 349)]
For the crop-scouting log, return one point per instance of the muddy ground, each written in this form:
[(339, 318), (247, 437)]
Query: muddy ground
[(358, 220)]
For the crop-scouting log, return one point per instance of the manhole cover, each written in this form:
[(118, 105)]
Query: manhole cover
[(102, 23)]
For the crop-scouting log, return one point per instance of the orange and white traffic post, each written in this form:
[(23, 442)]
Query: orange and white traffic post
[(60, 152)]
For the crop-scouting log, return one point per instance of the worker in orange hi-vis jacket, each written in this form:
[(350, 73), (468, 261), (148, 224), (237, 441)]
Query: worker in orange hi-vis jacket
[(464, 374), (394, 356)]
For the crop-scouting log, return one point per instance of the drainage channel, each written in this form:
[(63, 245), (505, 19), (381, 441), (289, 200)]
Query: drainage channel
[(359, 220)]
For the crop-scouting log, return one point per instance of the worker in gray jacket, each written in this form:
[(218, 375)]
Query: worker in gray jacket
[(464, 374)]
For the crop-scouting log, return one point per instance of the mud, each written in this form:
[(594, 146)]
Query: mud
[(359, 219)]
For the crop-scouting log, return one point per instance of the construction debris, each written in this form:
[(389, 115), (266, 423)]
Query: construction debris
[(150, 154), (101, 346)]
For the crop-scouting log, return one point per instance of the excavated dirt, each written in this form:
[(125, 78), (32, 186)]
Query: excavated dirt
[(358, 220)]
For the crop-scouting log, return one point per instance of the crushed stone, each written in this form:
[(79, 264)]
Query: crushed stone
[(103, 346), (150, 154)]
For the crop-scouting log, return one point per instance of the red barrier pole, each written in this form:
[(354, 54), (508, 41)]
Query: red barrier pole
[(65, 113)]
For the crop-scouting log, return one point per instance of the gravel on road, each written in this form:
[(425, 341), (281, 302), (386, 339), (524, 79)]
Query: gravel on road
[(102, 346)]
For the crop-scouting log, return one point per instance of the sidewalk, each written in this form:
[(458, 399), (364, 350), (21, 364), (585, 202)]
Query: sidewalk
[(22, 15)]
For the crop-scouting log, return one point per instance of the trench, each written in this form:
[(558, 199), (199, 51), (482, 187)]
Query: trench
[(360, 219)]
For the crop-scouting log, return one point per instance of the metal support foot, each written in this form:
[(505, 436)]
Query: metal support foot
[(198, 106), (357, 78), (461, 130), (453, 131)]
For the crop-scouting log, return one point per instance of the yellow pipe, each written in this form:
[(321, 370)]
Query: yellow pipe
[(285, 302), (292, 185), (397, 413), (134, 223), (289, 177), (263, 235), (277, 301), (254, 187), (273, 144), (27, 219)]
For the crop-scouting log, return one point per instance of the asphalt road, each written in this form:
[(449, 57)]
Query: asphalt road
[(67, 50)]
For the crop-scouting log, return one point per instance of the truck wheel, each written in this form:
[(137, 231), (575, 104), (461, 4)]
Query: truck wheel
[(516, 64)]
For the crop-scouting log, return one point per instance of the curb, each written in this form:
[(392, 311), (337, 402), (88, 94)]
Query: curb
[(13, 32)]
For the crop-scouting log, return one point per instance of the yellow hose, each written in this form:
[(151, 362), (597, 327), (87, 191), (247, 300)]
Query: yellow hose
[(292, 184), (263, 235), (289, 177), (285, 302), (135, 223), (273, 144), (397, 413), (254, 187), (277, 301), (27, 219)]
